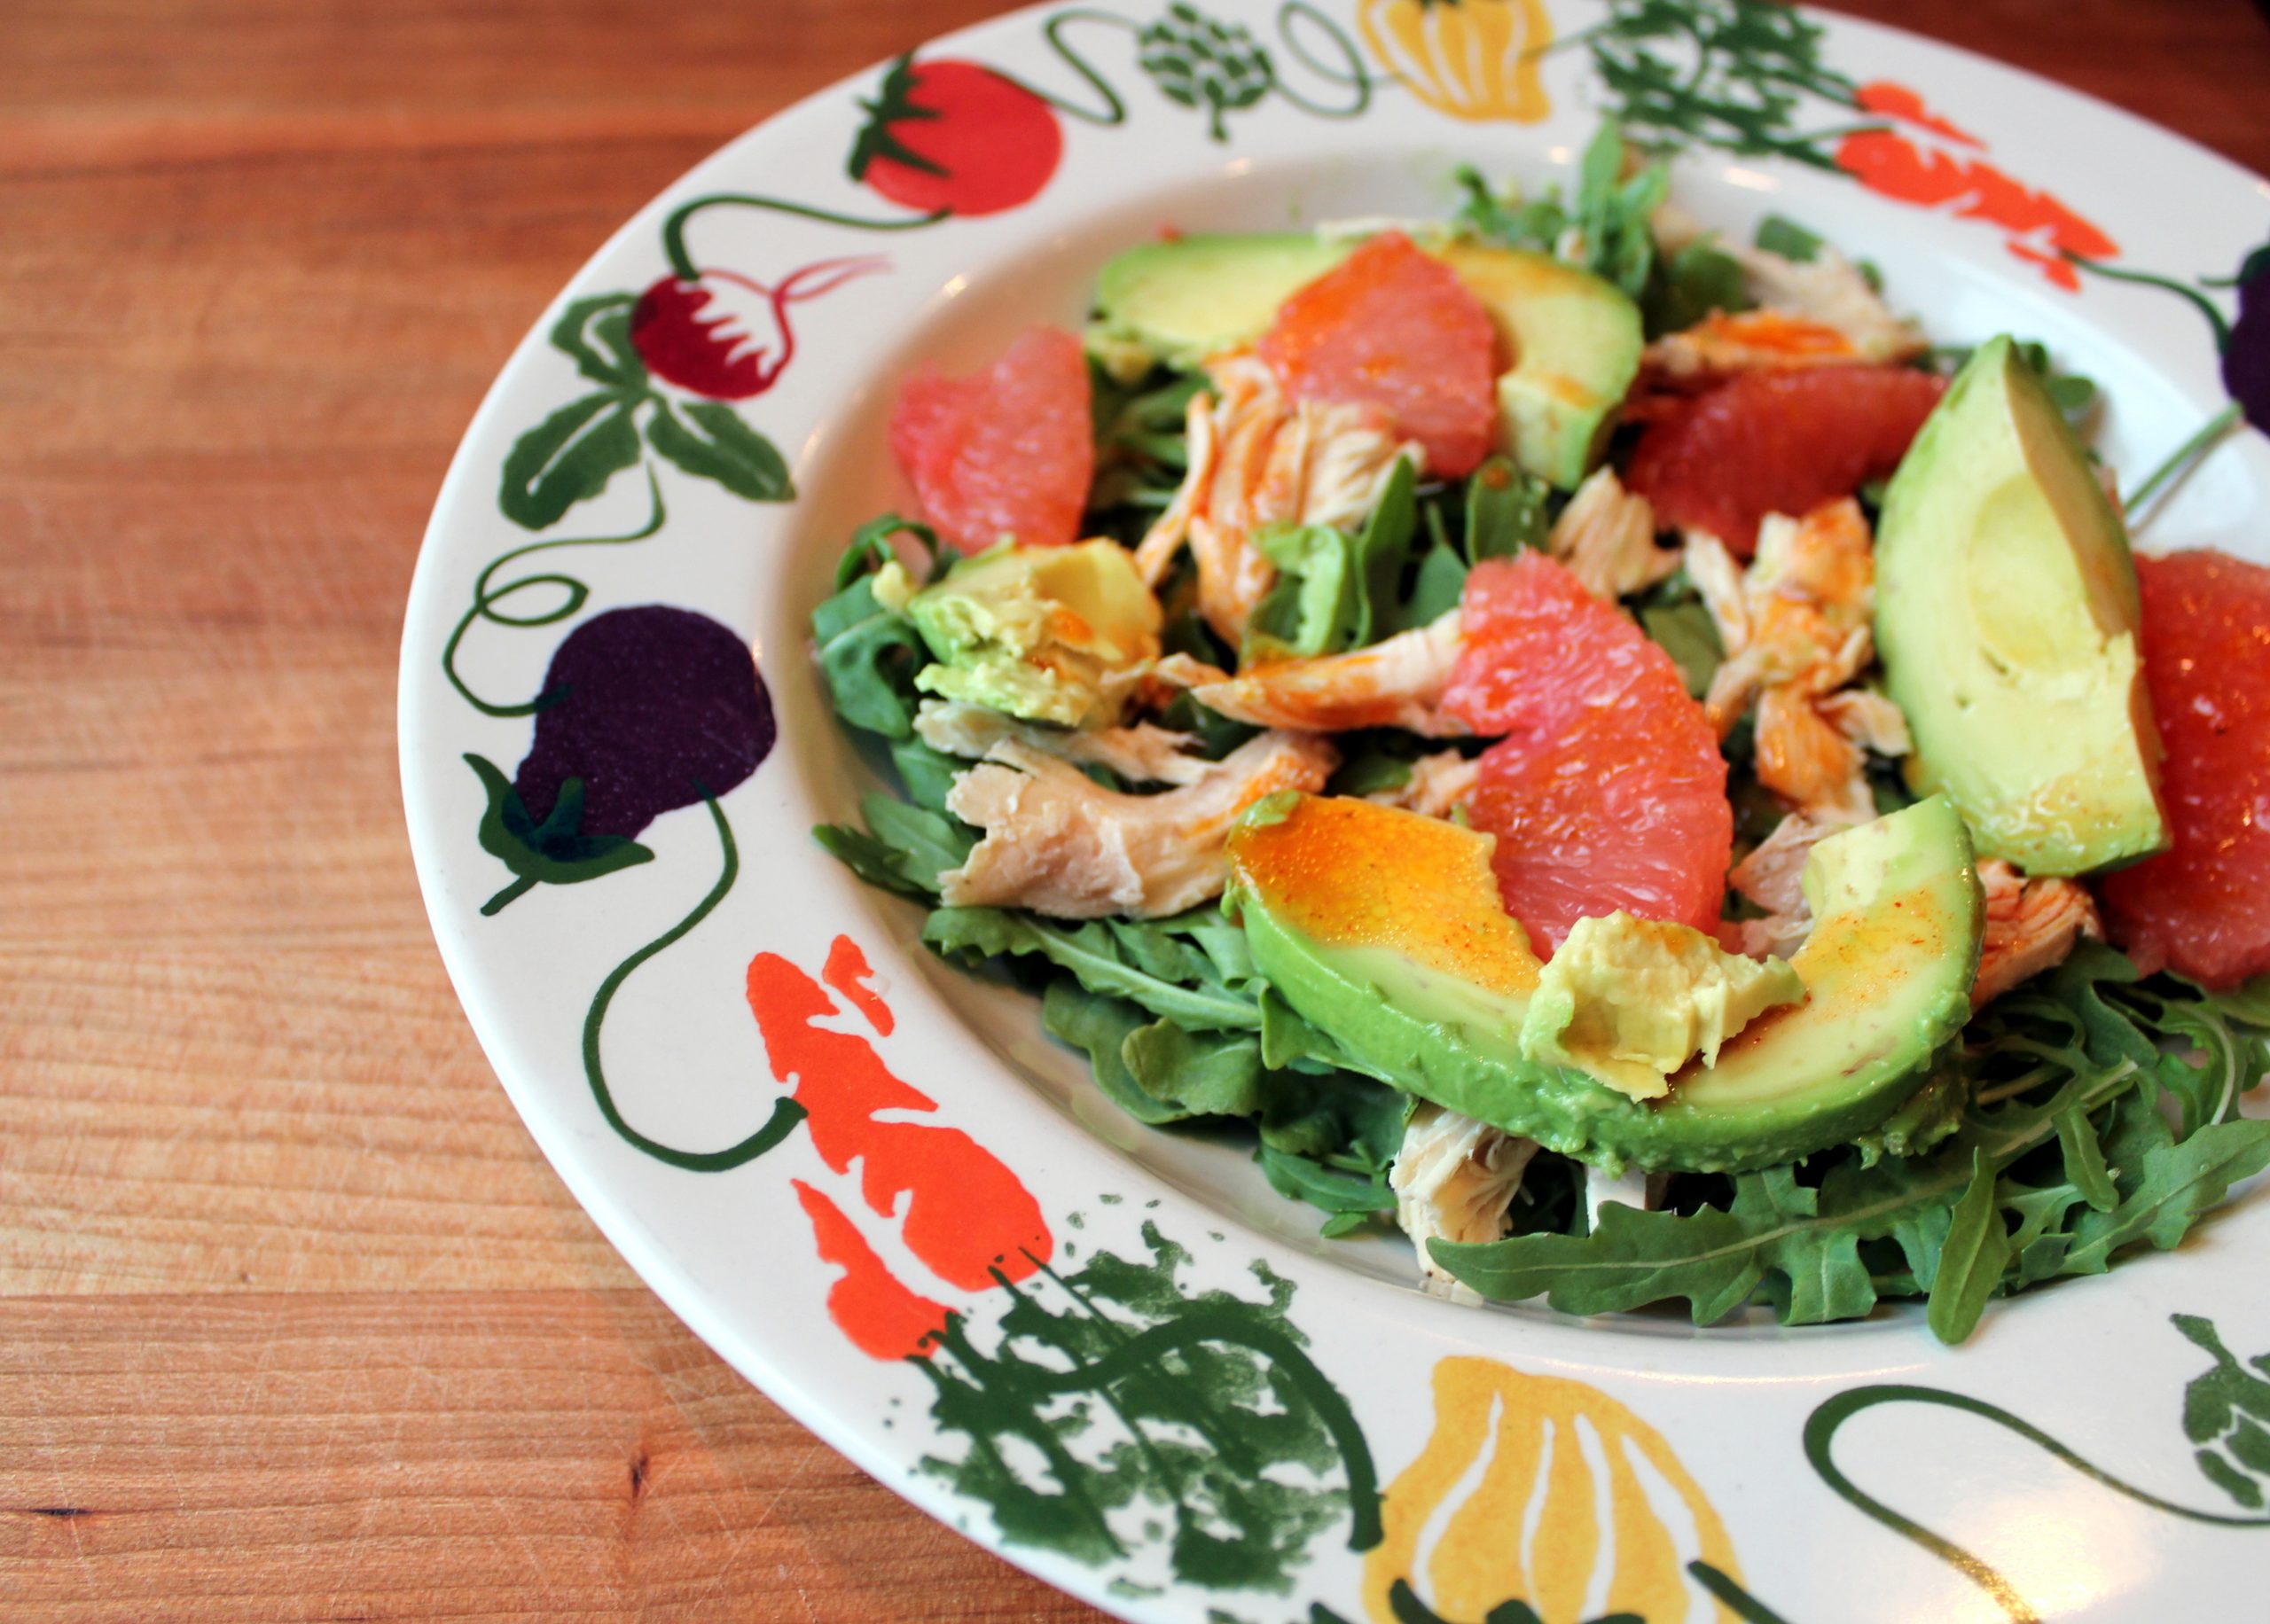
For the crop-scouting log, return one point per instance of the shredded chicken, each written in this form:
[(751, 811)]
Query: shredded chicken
[(1816, 312), (1439, 784), (1059, 843), (1258, 460), (1771, 877), (1606, 537), (1453, 1179), (1140, 755), (1630, 1188), (1396, 682), (1795, 631), (2031, 925)]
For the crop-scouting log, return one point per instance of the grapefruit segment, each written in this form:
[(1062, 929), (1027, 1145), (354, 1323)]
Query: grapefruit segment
[(1606, 790), (1777, 442), (2203, 907), (1005, 452), (1392, 327)]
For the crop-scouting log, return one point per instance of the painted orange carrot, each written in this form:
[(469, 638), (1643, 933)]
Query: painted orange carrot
[(2038, 228), (883, 1318), (958, 1209)]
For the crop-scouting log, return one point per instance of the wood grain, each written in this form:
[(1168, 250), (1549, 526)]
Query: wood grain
[(292, 1317)]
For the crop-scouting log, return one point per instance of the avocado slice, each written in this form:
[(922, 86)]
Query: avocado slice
[(1044, 633), (2006, 618), (1180, 300), (1384, 929), (1573, 340)]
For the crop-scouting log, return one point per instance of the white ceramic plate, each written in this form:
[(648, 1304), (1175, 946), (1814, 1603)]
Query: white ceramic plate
[(1581, 1467)]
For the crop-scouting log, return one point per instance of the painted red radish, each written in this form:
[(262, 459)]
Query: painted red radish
[(728, 335)]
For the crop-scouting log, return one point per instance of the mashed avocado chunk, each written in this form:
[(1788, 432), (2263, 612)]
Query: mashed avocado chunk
[(1630, 1001), (1049, 633)]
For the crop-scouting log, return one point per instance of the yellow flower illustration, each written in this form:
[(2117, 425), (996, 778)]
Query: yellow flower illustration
[(1474, 59), (1533, 1449)]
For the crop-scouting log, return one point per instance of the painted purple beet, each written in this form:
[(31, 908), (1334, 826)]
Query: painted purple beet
[(646, 710), (2246, 353)]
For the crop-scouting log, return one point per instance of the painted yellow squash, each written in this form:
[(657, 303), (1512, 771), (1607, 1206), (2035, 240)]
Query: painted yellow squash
[(1474, 60), (1516, 1441)]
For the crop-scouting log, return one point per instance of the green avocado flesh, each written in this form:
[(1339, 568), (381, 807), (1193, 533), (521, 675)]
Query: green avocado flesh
[(1179, 301), (1383, 929), (2006, 618), (1573, 339)]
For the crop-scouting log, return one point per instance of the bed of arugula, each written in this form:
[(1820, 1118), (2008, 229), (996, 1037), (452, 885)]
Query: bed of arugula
[(2090, 1112)]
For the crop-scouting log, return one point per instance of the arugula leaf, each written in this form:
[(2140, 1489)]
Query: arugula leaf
[(1101, 1026), (1125, 960), (1972, 1257), (1700, 278), (1690, 637), (868, 653), (1779, 234), (2065, 1078), (1335, 1189), (1504, 511), (904, 848), (1312, 608), (1604, 230)]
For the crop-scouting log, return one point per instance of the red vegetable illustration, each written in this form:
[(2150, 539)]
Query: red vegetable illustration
[(2038, 229), (956, 137), (958, 1208), (726, 335)]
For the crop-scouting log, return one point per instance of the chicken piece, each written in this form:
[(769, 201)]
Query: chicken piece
[(1868, 719), (2031, 925), (1257, 461), (1643, 1191), (1606, 537), (1816, 312), (1059, 843), (1796, 630), (1453, 1180), (1140, 755), (1806, 761), (1772, 877), (1396, 682), (1439, 784)]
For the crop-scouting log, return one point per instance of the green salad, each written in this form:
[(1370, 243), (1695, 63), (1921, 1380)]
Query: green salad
[(1586, 740)]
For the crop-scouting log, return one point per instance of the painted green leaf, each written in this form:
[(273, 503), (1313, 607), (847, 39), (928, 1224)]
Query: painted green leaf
[(554, 852), (567, 458), (712, 442), (595, 333)]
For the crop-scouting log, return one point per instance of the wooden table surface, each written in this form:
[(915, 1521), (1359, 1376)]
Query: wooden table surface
[(294, 1323)]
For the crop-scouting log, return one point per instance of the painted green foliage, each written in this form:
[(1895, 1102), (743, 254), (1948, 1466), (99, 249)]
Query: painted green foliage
[(1110, 1389), (2226, 1415), (1731, 73), (1199, 61), (1218, 67), (2223, 1413), (571, 456)]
